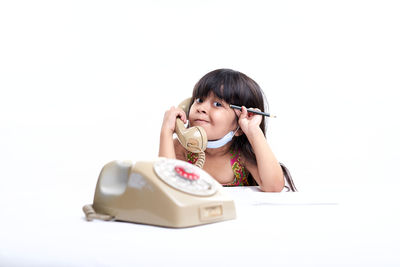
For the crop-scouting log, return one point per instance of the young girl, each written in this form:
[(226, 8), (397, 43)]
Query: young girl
[(237, 151)]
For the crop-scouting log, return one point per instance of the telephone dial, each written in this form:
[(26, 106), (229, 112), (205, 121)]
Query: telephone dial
[(163, 192)]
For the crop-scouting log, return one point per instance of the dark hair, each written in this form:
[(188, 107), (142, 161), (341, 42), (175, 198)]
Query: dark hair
[(234, 88)]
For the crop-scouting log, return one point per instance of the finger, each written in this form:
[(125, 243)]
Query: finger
[(182, 115), (237, 112), (244, 112), (251, 114)]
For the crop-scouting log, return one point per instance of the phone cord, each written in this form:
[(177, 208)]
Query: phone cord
[(92, 214), (202, 158)]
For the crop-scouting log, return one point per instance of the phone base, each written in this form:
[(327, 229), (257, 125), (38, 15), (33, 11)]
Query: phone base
[(154, 193)]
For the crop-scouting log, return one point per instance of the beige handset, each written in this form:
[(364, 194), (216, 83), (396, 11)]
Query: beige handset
[(193, 139)]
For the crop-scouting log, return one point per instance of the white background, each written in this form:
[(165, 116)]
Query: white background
[(86, 82)]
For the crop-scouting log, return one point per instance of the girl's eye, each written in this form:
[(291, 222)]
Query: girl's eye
[(217, 104), (199, 100)]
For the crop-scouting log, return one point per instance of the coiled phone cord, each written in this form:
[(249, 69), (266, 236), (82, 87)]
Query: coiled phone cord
[(202, 155), (202, 158)]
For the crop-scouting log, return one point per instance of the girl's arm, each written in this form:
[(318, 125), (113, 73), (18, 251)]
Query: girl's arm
[(267, 172), (167, 146)]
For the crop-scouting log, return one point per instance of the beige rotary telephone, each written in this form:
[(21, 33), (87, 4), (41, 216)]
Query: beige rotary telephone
[(163, 192)]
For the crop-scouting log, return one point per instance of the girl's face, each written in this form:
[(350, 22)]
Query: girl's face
[(214, 115)]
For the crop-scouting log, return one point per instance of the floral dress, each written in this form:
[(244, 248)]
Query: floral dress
[(239, 171)]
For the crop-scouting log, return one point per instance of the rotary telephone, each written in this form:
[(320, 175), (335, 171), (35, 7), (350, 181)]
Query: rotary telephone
[(164, 192)]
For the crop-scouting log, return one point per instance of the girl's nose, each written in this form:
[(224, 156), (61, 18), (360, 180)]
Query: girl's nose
[(202, 107)]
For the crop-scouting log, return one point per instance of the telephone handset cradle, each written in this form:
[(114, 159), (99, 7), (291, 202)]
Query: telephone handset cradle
[(166, 192)]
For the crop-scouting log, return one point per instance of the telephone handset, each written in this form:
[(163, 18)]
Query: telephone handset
[(193, 139)]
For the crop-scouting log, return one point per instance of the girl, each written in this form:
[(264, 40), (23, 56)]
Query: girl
[(237, 151)]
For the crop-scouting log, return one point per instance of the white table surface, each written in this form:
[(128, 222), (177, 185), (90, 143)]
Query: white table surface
[(271, 229)]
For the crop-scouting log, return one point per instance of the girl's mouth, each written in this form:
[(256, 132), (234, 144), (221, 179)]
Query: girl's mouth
[(201, 121)]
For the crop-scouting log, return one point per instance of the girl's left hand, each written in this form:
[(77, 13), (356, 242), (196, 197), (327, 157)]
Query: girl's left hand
[(248, 122)]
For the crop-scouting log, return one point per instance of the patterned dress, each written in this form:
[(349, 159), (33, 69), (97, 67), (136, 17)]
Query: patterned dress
[(239, 172)]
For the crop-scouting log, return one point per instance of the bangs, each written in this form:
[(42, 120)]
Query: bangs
[(219, 91), (224, 85)]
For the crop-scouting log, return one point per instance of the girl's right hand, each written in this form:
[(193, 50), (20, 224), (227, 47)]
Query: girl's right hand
[(170, 118)]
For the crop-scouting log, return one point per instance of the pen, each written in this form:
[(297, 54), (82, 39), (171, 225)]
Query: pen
[(253, 111)]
